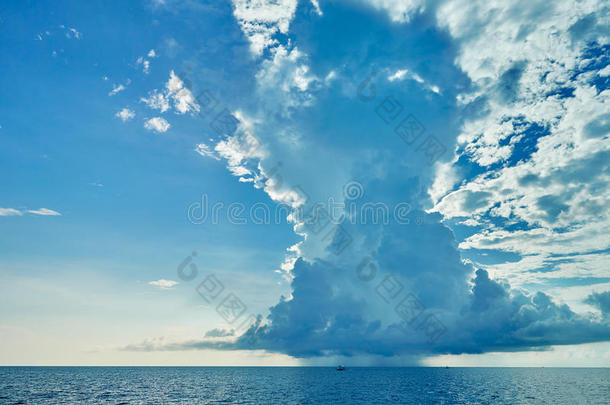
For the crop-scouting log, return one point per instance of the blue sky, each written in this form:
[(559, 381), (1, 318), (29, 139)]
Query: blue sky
[(481, 127)]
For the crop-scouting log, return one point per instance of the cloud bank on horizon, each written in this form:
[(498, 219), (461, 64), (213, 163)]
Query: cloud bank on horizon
[(512, 212)]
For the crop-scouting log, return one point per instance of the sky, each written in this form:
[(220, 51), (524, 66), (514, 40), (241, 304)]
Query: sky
[(365, 182)]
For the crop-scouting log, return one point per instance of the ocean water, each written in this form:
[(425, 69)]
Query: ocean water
[(302, 385)]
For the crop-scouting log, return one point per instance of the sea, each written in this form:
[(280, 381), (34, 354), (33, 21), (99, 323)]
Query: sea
[(303, 385)]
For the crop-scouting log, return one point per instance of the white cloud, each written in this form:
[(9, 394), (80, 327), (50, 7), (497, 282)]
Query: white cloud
[(316, 6), (156, 101), (399, 10), (116, 89), (157, 124), (398, 75), (403, 74), (205, 151), (125, 114), (417, 78), (285, 83), (44, 211), (331, 76), (69, 32), (261, 20), (175, 92), (238, 150), (73, 33), (518, 56), (145, 62), (163, 284), (7, 212), (286, 77), (183, 98)]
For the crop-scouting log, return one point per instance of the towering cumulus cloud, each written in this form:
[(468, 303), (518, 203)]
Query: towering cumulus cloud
[(482, 127)]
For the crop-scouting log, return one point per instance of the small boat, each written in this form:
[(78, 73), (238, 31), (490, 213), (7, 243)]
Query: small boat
[(340, 368)]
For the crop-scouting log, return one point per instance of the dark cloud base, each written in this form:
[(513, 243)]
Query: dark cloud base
[(333, 312)]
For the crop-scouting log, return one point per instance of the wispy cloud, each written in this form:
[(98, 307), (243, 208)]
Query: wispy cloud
[(116, 89), (163, 283), (7, 212), (44, 211), (156, 101), (145, 62), (73, 33), (205, 151), (398, 75), (403, 74)]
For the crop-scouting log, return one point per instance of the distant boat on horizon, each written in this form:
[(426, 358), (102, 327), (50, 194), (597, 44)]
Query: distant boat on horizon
[(340, 368)]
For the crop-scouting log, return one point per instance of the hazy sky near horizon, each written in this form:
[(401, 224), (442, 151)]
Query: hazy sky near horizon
[(160, 159)]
